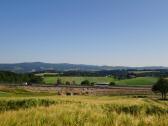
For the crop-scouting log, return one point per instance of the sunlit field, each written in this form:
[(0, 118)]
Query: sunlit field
[(78, 80), (142, 81), (53, 110), (139, 81)]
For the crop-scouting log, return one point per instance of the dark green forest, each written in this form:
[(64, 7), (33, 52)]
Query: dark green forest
[(10, 77)]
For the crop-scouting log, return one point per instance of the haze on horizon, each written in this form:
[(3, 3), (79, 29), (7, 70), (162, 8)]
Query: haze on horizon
[(100, 32)]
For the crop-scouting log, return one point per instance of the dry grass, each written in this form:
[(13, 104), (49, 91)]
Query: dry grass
[(90, 111)]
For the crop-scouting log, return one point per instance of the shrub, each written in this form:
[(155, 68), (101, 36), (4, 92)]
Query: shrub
[(73, 82), (112, 84), (67, 83), (59, 81), (85, 82), (93, 83)]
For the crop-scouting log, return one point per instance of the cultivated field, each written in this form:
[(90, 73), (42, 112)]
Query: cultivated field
[(78, 80), (17, 108), (139, 81)]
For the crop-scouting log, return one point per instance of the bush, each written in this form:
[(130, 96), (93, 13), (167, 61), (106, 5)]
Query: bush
[(67, 83), (85, 82), (59, 81), (112, 84), (93, 83), (73, 83)]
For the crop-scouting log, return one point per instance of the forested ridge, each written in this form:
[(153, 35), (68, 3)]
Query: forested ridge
[(10, 77)]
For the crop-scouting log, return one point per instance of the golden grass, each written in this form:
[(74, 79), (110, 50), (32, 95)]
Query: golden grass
[(88, 111)]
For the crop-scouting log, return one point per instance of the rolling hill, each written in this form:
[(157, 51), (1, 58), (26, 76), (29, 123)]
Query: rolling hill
[(40, 66)]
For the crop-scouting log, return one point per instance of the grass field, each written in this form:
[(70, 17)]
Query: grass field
[(40, 109), (78, 80), (17, 92), (130, 82), (81, 111), (138, 81)]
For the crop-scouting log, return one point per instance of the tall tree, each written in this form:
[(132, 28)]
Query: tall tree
[(162, 87)]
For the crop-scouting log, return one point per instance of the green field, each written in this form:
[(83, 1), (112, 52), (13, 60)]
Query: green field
[(130, 82), (6, 91), (138, 81), (78, 80), (41, 110)]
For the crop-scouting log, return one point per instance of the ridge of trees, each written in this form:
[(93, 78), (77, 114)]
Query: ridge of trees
[(11, 77)]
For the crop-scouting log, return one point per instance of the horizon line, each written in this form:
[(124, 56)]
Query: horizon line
[(85, 64)]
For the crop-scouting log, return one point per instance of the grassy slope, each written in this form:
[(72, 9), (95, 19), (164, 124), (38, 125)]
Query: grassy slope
[(138, 81), (17, 92), (132, 82), (52, 80), (90, 111), (79, 110)]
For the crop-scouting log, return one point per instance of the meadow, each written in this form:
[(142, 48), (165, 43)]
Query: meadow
[(78, 80), (139, 81), (82, 111)]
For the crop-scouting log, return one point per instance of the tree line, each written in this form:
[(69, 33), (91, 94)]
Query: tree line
[(118, 74), (10, 77)]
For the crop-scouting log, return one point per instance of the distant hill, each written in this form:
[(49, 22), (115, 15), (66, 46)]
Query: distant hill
[(39, 66)]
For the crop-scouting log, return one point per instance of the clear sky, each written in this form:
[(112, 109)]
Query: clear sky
[(101, 32)]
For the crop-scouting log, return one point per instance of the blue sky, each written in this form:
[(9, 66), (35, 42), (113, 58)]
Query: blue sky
[(101, 32)]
